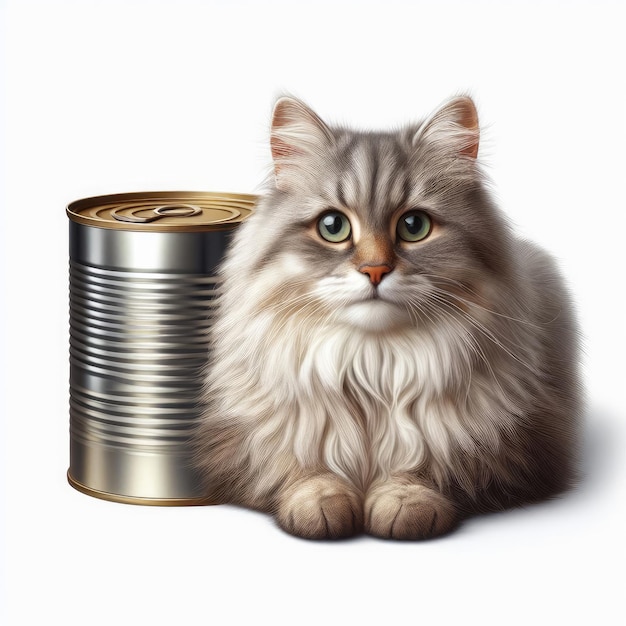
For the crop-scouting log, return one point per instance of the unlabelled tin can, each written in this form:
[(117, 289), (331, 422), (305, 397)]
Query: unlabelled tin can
[(142, 287)]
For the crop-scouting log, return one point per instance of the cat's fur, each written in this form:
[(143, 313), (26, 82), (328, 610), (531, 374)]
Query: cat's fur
[(450, 388)]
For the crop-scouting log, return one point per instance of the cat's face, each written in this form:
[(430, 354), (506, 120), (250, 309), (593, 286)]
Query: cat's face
[(377, 230)]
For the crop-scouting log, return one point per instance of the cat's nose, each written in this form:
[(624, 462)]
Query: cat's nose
[(375, 272)]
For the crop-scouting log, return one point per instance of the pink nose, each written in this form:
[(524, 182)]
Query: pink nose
[(375, 272)]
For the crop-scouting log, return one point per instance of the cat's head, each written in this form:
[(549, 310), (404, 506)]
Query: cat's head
[(376, 230)]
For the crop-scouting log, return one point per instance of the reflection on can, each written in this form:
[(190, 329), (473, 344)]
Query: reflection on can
[(142, 288)]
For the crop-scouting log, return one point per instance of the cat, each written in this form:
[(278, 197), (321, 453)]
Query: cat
[(386, 356)]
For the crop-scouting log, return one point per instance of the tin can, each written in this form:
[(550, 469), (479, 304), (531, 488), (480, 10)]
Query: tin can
[(142, 288)]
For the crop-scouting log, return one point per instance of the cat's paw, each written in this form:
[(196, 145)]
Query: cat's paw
[(321, 507), (407, 511)]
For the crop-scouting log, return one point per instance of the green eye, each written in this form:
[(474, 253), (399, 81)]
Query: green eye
[(334, 227), (414, 226)]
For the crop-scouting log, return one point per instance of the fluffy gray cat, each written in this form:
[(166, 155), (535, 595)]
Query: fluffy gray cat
[(387, 357)]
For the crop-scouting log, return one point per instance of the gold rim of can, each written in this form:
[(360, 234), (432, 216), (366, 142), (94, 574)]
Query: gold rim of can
[(114, 497), (163, 211)]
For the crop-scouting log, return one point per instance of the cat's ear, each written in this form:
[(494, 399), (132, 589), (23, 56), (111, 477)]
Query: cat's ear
[(454, 126), (297, 132)]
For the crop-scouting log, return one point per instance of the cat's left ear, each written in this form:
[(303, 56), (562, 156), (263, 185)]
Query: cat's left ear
[(297, 132), (454, 126)]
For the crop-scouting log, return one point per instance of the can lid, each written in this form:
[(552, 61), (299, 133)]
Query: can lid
[(163, 211)]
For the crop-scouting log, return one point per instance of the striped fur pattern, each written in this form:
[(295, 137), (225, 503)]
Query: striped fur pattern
[(343, 406)]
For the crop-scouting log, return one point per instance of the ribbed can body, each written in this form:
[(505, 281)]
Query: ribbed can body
[(141, 306)]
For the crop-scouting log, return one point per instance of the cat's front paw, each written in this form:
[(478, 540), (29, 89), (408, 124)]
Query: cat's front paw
[(321, 507), (401, 510)]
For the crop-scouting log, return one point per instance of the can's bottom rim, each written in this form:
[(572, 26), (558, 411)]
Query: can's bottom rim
[(115, 497)]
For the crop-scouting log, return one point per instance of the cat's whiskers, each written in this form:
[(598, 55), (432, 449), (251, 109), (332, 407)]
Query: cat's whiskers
[(435, 304), (471, 343), (467, 339), (299, 310), (414, 308), (284, 314), (481, 328), (473, 303)]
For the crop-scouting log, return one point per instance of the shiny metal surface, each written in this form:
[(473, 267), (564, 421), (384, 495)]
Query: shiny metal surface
[(147, 251), (140, 311), (103, 495)]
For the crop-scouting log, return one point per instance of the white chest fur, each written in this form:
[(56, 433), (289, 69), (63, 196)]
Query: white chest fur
[(367, 406)]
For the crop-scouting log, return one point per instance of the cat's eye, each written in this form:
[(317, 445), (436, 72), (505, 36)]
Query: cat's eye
[(414, 226), (334, 226)]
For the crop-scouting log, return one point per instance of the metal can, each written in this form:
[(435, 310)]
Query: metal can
[(142, 287)]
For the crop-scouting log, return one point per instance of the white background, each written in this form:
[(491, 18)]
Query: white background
[(107, 97)]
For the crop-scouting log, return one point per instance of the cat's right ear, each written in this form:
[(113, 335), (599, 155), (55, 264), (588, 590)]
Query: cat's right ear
[(297, 133)]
